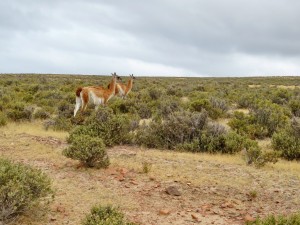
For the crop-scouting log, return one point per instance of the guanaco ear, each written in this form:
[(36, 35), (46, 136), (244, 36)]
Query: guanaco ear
[(133, 77), (114, 74)]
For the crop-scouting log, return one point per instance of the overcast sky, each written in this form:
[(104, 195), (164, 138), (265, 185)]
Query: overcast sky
[(157, 37)]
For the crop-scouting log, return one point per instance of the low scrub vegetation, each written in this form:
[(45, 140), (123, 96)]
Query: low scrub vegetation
[(89, 150), (277, 220), (20, 188), (287, 140), (106, 215), (181, 114)]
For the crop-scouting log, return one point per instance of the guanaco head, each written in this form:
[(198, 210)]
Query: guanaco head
[(117, 76), (131, 76)]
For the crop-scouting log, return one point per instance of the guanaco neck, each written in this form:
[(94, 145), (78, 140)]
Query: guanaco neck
[(129, 85), (112, 85)]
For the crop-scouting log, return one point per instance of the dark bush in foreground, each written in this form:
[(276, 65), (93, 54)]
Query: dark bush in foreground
[(20, 187), (105, 216), (89, 150), (278, 220)]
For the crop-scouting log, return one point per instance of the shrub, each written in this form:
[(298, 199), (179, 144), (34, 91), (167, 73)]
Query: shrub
[(89, 150), (40, 113), (121, 106), (177, 128), (144, 111), (166, 107), (20, 187), (60, 123), (18, 112), (105, 216), (200, 104), (219, 104), (295, 107), (215, 107), (277, 220), (263, 121), (3, 119), (112, 129), (287, 143), (269, 116), (226, 142), (65, 109), (295, 125), (281, 96), (246, 100), (154, 93), (188, 131)]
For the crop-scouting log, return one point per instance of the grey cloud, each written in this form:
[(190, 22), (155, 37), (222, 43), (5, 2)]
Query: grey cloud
[(198, 37)]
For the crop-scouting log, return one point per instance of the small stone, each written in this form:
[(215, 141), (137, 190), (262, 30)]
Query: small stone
[(195, 217), (134, 182), (152, 178), (172, 190), (121, 178), (164, 212)]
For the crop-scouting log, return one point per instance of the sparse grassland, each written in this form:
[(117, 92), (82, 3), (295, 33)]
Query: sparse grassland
[(182, 121)]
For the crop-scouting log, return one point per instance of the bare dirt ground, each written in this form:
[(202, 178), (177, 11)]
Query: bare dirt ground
[(213, 189)]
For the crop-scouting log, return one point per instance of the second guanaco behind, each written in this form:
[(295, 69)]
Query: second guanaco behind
[(123, 90)]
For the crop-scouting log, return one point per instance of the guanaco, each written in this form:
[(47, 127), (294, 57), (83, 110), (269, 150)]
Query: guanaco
[(122, 89), (98, 94)]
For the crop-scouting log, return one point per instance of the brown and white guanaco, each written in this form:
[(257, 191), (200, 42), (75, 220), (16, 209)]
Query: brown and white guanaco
[(98, 94), (123, 90)]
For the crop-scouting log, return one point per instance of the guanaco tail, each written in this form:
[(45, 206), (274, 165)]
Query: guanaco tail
[(97, 94)]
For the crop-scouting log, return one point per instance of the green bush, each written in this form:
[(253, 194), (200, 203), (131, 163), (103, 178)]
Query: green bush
[(277, 220), (144, 111), (177, 128), (65, 109), (187, 131), (20, 187), (269, 116), (295, 107), (19, 112), (246, 100), (245, 125), (226, 142), (264, 119), (166, 107), (214, 106), (40, 113), (3, 119), (89, 150), (105, 216), (112, 129), (287, 143), (281, 96), (254, 155)]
